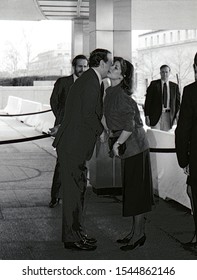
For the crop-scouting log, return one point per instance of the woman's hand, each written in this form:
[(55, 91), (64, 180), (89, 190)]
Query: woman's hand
[(115, 149)]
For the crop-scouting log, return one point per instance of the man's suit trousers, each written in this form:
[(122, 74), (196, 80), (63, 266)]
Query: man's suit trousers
[(56, 184), (73, 183), (194, 199)]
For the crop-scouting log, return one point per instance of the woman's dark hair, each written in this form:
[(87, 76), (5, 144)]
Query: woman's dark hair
[(127, 71), (96, 56), (80, 56), (195, 59)]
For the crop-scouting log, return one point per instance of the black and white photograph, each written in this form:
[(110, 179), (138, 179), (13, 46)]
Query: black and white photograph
[(98, 138)]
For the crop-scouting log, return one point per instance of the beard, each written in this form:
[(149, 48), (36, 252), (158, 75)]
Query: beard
[(78, 74)]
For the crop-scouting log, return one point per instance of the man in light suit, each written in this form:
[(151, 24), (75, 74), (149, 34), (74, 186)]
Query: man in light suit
[(75, 141), (57, 102), (186, 143), (162, 102)]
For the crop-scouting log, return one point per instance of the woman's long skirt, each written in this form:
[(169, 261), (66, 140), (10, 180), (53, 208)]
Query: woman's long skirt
[(137, 184)]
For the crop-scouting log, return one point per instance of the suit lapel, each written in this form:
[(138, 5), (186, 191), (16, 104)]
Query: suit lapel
[(159, 89), (172, 93), (71, 80)]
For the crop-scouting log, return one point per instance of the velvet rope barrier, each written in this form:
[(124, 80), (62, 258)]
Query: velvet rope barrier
[(25, 114), (162, 150), (12, 141)]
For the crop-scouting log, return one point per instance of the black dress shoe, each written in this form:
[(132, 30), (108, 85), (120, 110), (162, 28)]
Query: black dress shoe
[(89, 240), (80, 245), (190, 245), (139, 242), (54, 202)]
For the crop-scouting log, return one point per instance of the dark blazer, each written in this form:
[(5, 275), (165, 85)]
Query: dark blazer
[(59, 95), (82, 119), (186, 131), (153, 101)]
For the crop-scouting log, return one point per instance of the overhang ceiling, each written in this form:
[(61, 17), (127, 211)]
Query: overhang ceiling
[(43, 9), (64, 9), (20, 10), (146, 14)]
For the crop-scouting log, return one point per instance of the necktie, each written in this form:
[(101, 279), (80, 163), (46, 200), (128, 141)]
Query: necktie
[(165, 95), (102, 90), (101, 99)]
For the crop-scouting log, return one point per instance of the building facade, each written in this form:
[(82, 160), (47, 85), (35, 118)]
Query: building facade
[(53, 62), (175, 48)]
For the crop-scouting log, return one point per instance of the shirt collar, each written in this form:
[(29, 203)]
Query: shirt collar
[(162, 82), (98, 75), (75, 77)]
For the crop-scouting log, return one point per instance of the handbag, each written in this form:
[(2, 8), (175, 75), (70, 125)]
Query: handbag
[(121, 148), (53, 131)]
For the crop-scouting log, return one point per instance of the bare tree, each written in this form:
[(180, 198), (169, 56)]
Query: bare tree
[(146, 68), (148, 64), (28, 51), (12, 57), (181, 65)]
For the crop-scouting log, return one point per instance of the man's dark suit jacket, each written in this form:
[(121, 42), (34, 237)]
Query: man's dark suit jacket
[(82, 119), (59, 95), (153, 102), (186, 132)]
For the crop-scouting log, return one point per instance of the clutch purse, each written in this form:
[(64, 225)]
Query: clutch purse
[(121, 147)]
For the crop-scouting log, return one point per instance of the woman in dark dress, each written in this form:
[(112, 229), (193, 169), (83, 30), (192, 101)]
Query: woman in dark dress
[(122, 118)]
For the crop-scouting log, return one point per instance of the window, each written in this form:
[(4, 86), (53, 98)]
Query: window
[(157, 39), (145, 42), (164, 38), (179, 35), (186, 34), (151, 40), (171, 37)]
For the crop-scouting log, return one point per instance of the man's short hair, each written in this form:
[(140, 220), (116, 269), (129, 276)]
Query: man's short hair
[(195, 59), (164, 66), (80, 56), (96, 56)]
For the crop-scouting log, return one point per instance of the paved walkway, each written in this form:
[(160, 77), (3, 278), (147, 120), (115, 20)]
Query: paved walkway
[(30, 230)]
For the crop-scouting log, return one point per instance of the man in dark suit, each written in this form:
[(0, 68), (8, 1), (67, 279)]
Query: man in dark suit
[(57, 102), (75, 141), (162, 102), (186, 142)]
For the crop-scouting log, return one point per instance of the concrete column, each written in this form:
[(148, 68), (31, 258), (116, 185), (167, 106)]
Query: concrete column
[(122, 28), (101, 24), (80, 37), (110, 26)]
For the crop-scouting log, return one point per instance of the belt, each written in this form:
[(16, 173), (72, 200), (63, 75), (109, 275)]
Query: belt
[(165, 110), (114, 131)]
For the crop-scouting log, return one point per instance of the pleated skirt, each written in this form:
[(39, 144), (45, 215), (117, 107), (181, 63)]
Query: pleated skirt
[(137, 184)]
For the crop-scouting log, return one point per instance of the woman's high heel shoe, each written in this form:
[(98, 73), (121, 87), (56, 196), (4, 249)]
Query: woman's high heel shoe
[(126, 239), (139, 242)]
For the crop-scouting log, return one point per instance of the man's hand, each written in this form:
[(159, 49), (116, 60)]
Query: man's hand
[(186, 170), (147, 120)]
